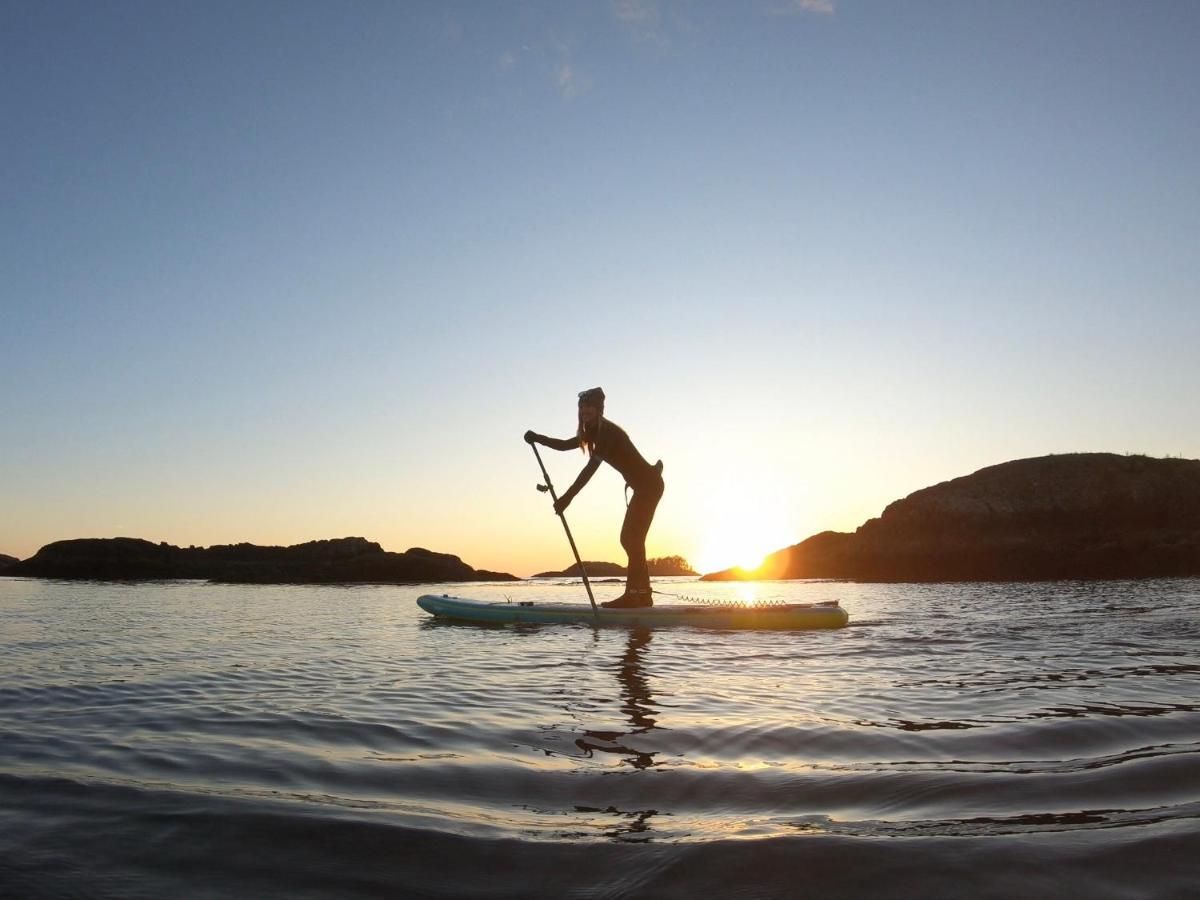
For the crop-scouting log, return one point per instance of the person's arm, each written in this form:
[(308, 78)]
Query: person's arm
[(571, 443), (584, 477)]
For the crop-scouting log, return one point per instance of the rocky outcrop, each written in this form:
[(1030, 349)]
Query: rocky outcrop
[(594, 570), (1083, 515), (662, 566), (6, 561), (343, 560)]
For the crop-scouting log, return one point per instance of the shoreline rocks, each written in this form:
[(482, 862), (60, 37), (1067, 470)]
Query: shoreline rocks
[(341, 560)]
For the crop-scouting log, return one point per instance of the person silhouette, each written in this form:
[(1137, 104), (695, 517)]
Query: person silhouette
[(605, 441)]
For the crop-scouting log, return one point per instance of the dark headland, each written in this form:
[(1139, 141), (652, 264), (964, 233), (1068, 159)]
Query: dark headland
[(6, 561), (1079, 515), (343, 560)]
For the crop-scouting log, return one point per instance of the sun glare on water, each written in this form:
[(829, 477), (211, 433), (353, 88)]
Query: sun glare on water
[(746, 593)]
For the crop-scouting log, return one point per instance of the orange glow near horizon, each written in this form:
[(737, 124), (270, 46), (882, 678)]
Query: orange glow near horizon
[(726, 556), (738, 536)]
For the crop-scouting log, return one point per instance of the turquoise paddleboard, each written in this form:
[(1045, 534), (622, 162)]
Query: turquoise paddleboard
[(784, 616)]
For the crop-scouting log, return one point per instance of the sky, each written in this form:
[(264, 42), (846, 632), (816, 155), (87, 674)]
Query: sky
[(275, 272)]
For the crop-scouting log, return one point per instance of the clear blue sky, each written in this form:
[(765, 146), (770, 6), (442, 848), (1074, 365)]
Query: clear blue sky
[(281, 271)]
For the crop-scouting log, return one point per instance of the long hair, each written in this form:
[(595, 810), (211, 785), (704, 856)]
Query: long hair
[(587, 434)]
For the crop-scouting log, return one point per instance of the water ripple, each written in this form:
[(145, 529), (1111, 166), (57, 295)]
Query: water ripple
[(323, 741)]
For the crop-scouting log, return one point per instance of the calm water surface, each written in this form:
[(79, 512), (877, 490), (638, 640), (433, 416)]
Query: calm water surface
[(189, 739)]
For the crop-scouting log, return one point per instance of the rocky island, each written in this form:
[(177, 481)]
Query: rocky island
[(6, 561), (1079, 515), (661, 566), (342, 560)]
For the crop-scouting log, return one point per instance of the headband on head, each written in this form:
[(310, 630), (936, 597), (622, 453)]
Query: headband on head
[(592, 397)]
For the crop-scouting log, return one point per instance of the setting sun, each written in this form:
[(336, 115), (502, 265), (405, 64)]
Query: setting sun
[(727, 552), (742, 537)]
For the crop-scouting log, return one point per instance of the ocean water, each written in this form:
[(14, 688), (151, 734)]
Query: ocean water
[(986, 740)]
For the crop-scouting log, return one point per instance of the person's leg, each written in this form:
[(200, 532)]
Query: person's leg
[(633, 539), (638, 517), (636, 526)]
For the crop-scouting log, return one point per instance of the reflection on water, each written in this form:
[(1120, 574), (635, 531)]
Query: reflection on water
[(635, 705), (634, 689), (243, 741), (632, 825), (746, 592)]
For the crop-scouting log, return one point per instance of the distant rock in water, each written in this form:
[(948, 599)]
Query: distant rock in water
[(1080, 515), (670, 565), (594, 570), (342, 560), (6, 561), (661, 566)]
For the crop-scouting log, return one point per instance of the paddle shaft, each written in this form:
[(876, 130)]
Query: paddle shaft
[(567, 528)]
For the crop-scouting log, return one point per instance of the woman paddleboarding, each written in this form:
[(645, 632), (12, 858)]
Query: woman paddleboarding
[(605, 441)]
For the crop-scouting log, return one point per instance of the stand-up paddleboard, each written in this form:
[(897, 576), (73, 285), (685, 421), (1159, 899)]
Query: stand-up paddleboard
[(779, 616)]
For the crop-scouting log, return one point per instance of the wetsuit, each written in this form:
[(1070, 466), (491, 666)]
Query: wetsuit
[(614, 447)]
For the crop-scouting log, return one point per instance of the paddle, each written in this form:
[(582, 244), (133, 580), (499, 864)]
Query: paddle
[(553, 496)]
